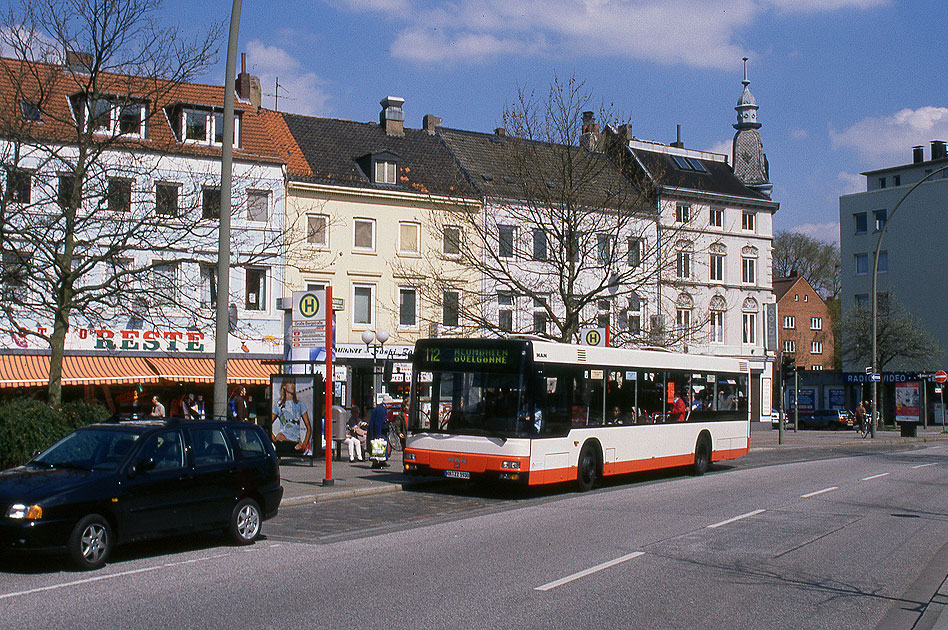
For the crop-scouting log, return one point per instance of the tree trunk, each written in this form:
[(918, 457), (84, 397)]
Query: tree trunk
[(57, 350)]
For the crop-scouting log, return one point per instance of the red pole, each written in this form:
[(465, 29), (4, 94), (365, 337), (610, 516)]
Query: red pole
[(328, 481)]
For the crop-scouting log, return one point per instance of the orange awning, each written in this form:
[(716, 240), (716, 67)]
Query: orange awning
[(31, 370), (199, 370)]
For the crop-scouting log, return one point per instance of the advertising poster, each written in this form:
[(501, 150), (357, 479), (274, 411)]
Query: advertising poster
[(807, 398), (906, 402), (292, 404), (836, 397)]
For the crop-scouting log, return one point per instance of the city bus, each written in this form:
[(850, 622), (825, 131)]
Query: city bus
[(539, 412)]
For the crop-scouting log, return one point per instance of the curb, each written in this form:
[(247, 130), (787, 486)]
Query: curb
[(340, 494)]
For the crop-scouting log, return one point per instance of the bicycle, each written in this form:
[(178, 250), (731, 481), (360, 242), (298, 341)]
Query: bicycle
[(864, 428)]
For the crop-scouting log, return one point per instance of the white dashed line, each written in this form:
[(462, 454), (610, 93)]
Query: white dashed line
[(736, 518), (598, 567), (874, 476), (923, 465), (813, 494)]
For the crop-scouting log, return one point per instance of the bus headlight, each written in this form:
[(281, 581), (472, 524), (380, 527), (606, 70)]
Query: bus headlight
[(510, 465), (19, 511), (410, 457)]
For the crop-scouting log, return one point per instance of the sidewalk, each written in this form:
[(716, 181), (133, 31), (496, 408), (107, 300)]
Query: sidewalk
[(303, 483)]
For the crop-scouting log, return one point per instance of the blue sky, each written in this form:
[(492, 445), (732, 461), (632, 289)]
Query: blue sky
[(844, 86)]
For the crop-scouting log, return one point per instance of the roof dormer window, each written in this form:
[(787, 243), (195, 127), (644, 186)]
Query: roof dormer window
[(689, 164), (204, 126), (386, 172), (109, 115), (380, 168)]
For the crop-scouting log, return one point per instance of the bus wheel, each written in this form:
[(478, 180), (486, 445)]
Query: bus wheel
[(587, 470), (702, 455)]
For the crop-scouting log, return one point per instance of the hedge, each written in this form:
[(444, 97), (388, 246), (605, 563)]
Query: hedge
[(28, 425)]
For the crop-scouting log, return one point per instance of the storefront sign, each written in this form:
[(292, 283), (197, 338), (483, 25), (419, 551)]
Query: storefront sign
[(160, 341)]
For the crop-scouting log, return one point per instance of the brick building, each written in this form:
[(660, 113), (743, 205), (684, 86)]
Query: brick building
[(804, 328)]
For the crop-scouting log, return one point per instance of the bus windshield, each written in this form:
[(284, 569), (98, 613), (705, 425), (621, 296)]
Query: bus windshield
[(476, 403)]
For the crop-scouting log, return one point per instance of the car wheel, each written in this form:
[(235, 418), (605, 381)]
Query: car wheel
[(90, 542), (245, 522), (587, 470), (702, 456)]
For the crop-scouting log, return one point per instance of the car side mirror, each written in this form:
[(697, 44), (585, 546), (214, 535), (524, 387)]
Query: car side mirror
[(143, 466)]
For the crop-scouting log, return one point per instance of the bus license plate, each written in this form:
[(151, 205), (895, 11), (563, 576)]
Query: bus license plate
[(457, 474)]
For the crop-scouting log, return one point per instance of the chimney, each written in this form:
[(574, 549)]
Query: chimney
[(79, 61), (678, 143), (590, 137), (392, 117), (429, 123), (248, 86), (939, 150), (918, 154), (500, 131), (626, 132)]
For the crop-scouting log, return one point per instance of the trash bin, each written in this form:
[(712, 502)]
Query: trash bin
[(908, 429)]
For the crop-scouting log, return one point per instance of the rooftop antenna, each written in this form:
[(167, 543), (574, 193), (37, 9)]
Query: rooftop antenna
[(745, 81)]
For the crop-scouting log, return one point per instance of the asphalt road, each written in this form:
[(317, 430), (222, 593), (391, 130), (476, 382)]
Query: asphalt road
[(853, 540)]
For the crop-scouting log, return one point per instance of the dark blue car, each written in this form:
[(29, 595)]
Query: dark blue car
[(114, 483)]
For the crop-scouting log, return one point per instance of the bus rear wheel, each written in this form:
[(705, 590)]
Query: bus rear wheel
[(587, 470), (702, 455)]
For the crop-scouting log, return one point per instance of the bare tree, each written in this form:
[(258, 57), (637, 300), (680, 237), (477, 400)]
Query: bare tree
[(900, 338), (86, 238), (813, 259), (566, 238)]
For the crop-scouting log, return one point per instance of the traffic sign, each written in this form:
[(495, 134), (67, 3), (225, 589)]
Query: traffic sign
[(875, 378), (941, 376)]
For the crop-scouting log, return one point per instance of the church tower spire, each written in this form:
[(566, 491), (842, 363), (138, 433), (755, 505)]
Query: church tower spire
[(750, 161)]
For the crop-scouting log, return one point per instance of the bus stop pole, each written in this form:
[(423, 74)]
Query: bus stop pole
[(327, 386)]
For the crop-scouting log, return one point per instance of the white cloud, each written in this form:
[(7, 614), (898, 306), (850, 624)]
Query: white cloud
[(300, 92), (799, 134), (723, 147), (851, 183), (697, 33), (887, 139), (826, 232)]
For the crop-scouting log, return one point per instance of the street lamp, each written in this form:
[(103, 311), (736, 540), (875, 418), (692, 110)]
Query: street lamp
[(875, 297), (379, 337)]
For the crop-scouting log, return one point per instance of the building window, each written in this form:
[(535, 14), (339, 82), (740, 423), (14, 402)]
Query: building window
[(635, 313), (211, 202), (256, 289), (880, 217), (883, 262), (635, 252), (165, 281), (717, 326), (861, 300), (451, 309), (604, 317), (505, 241), (166, 199), (15, 273), (682, 213), (451, 241), (789, 321), (815, 366), (861, 222), (64, 191), (317, 230), (408, 237), (717, 267), (748, 270), (716, 218), (120, 195), (539, 322), (205, 127), (749, 221), (386, 172), (30, 111), (363, 235), (816, 323), (539, 244), (407, 307), (258, 202), (18, 185), (683, 319), (789, 346), (882, 182), (362, 301), (862, 264), (604, 249), (896, 180), (816, 347), (505, 310), (683, 266), (109, 117), (208, 286), (750, 328)]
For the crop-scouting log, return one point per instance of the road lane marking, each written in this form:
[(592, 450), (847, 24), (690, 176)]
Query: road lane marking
[(589, 571), (874, 476), (813, 494), (923, 465), (736, 518), (99, 578)]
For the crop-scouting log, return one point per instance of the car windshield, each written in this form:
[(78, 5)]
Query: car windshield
[(476, 403), (88, 449)]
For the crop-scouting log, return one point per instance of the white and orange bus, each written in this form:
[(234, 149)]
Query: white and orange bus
[(539, 412)]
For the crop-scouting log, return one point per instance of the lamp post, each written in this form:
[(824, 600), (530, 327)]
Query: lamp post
[(374, 341), (875, 297)]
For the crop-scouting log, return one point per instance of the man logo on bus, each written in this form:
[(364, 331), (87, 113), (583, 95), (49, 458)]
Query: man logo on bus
[(592, 338), (309, 305)]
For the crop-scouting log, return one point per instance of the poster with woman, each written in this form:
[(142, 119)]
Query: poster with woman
[(292, 397)]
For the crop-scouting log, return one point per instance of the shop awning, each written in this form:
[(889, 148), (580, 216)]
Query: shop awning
[(30, 370), (199, 370)]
